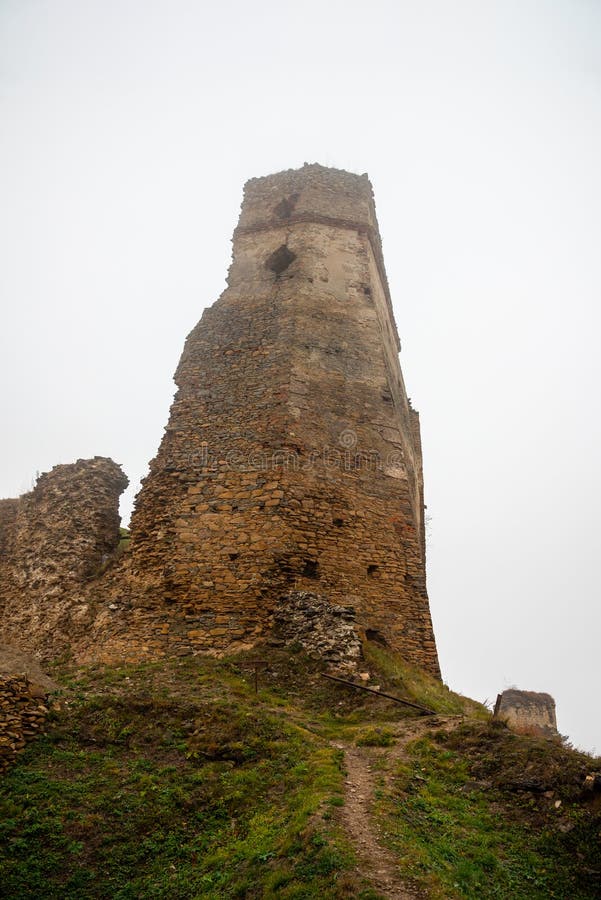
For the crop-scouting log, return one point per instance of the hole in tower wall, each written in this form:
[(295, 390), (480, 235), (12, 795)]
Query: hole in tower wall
[(372, 569), (285, 207), (338, 522), (376, 637), (311, 569), (280, 259)]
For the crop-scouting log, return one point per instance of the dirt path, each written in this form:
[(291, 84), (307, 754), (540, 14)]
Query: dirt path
[(376, 863)]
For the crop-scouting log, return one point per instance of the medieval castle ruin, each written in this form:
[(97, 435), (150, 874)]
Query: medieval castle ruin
[(291, 463)]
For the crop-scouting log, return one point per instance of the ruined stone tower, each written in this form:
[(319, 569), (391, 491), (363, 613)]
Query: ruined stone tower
[(292, 456)]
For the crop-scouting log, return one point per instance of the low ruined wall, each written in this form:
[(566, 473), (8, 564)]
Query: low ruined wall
[(527, 712), (22, 716)]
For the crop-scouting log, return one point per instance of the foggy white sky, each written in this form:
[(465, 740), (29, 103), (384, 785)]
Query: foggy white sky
[(127, 130)]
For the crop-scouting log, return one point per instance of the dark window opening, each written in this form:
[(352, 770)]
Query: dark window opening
[(311, 569), (338, 522), (285, 207), (280, 259), (372, 569), (372, 634), (234, 555)]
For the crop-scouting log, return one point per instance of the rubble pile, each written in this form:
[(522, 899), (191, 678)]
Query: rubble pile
[(323, 630)]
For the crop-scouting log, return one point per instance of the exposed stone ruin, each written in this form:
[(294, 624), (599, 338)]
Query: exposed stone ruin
[(527, 712), (322, 630), (52, 541), (291, 461), (292, 457), (23, 714)]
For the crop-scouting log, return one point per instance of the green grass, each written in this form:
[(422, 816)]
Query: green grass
[(416, 685), (465, 838), (172, 781)]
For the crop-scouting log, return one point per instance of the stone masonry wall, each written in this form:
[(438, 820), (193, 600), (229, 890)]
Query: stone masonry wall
[(52, 541), (323, 630), (291, 462), (22, 716), (292, 458)]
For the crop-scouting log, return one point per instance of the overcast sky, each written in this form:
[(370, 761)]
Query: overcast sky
[(127, 130)]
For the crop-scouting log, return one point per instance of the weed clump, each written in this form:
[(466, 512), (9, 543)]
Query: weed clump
[(376, 737)]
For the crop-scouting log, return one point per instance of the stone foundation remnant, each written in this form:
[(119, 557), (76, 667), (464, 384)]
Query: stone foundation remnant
[(527, 712), (291, 460)]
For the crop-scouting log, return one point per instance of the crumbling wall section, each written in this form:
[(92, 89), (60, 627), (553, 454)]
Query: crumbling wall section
[(23, 714), (527, 712), (9, 510), (52, 541), (8, 516), (324, 630)]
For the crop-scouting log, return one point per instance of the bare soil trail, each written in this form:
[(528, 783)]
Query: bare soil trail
[(376, 863)]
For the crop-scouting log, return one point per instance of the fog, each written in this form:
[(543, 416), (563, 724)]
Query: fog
[(128, 130)]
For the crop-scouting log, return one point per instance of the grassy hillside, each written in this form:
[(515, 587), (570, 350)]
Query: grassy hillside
[(174, 780), (479, 812)]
